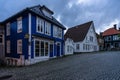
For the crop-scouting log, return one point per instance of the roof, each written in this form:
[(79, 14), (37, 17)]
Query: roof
[(78, 32), (110, 31), (38, 11), (44, 7)]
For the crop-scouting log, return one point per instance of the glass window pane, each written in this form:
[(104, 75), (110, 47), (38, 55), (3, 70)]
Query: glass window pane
[(42, 48), (46, 49)]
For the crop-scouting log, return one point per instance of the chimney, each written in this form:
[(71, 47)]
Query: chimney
[(115, 26)]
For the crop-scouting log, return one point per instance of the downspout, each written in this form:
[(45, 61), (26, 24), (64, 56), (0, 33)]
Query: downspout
[(29, 41)]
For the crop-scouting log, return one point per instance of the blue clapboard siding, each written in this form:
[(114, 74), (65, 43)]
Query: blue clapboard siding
[(14, 36)]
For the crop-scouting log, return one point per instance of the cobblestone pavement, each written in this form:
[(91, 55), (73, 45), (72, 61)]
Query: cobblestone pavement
[(88, 66)]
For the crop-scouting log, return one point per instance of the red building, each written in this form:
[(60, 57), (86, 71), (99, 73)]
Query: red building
[(111, 38)]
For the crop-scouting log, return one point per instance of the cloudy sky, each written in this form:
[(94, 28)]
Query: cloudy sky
[(104, 13)]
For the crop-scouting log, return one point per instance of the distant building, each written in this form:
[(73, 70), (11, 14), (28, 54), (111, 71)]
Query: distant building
[(81, 38), (111, 38), (100, 41), (32, 35)]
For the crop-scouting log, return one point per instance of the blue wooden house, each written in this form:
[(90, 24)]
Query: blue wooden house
[(33, 35)]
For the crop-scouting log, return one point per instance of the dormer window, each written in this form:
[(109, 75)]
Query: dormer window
[(47, 12)]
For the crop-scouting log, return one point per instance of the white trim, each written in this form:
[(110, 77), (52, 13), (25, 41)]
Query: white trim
[(44, 49), (42, 22), (29, 50), (19, 25), (8, 29), (19, 44)]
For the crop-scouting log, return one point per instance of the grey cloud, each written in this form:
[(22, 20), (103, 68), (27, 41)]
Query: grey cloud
[(102, 12)]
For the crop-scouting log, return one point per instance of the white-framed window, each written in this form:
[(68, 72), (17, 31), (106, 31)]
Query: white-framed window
[(40, 25), (8, 46), (57, 32), (19, 46), (8, 29), (41, 48), (77, 46), (19, 25), (47, 28), (83, 46), (91, 38)]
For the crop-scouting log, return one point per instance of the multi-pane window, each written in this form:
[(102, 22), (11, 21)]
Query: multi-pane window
[(57, 32), (41, 48), (19, 25), (19, 46), (37, 48), (8, 46), (40, 25), (8, 29), (46, 49), (91, 38), (83, 46), (77, 46), (47, 28)]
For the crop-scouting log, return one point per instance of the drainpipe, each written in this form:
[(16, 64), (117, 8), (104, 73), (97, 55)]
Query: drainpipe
[(29, 46)]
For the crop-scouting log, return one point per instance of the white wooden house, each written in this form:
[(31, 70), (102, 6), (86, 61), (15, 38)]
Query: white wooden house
[(82, 37)]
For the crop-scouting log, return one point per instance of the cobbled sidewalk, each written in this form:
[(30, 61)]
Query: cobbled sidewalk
[(88, 66)]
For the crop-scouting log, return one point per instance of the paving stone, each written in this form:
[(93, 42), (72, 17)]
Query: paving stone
[(96, 66)]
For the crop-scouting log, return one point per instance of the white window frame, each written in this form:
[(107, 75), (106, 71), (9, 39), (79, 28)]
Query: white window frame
[(40, 48), (40, 22), (47, 28), (19, 46), (19, 24), (77, 46), (57, 32), (8, 29), (8, 46)]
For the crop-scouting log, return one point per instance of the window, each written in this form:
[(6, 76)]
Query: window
[(8, 29), (47, 28), (83, 46), (40, 25), (19, 25), (46, 48), (91, 38), (57, 32), (37, 48), (67, 48), (77, 46), (41, 48), (8, 46), (19, 46), (1, 39)]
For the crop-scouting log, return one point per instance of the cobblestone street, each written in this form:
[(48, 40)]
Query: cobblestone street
[(88, 66)]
